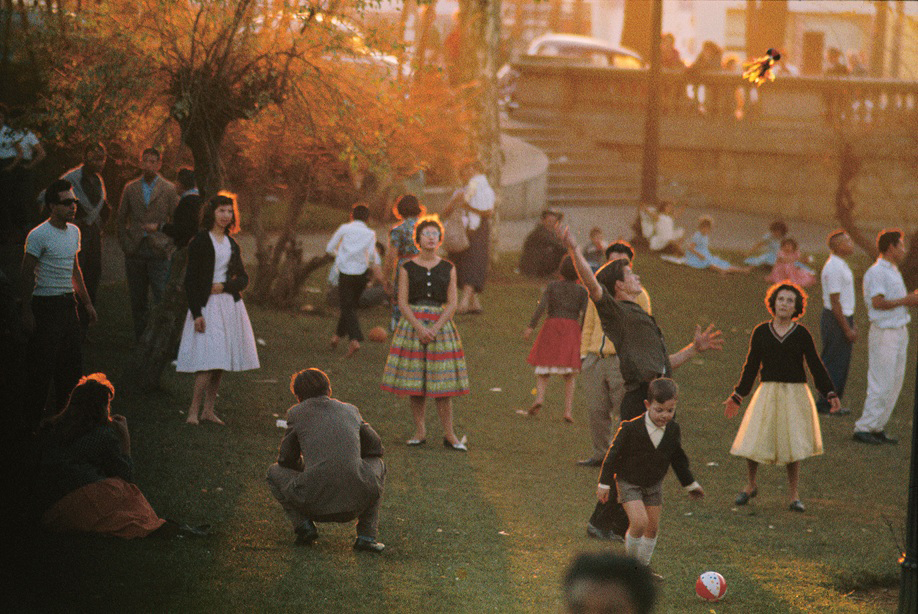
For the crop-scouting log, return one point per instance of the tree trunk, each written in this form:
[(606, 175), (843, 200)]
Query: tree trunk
[(849, 166)]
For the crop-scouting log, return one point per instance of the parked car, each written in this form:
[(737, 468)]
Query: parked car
[(567, 49), (577, 49)]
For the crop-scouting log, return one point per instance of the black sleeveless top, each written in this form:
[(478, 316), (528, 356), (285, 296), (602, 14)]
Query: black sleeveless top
[(428, 286)]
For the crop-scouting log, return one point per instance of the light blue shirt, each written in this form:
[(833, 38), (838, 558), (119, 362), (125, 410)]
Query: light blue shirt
[(883, 277), (148, 190)]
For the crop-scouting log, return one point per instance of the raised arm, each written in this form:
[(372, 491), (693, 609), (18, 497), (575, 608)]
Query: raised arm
[(580, 263)]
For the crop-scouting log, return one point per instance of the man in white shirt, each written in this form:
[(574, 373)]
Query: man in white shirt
[(837, 320), (354, 248), (50, 276), (887, 302)]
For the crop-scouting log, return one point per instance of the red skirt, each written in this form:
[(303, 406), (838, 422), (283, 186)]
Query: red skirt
[(112, 507), (558, 345)]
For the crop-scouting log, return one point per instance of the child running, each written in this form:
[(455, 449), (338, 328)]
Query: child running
[(556, 350), (638, 459)]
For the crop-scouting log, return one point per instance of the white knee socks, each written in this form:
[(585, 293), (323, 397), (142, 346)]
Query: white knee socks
[(640, 548)]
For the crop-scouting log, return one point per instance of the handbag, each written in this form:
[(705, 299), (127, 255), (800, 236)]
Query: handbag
[(455, 237)]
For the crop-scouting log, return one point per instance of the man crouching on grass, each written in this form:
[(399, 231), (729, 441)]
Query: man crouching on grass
[(329, 467)]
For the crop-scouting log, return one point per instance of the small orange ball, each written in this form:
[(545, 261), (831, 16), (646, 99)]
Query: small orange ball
[(378, 334)]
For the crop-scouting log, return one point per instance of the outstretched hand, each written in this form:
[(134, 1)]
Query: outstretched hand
[(710, 339)]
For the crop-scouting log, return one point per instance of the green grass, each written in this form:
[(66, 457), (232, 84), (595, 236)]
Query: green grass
[(493, 530)]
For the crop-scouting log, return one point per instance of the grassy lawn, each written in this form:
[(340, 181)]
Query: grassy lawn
[(493, 530)]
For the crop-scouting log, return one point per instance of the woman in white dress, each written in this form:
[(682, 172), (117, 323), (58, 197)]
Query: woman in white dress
[(218, 335)]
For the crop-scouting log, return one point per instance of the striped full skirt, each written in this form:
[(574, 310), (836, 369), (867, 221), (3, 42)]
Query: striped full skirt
[(436, 369)]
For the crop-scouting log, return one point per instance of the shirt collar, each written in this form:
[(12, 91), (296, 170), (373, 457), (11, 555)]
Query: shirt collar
[(651, 427)]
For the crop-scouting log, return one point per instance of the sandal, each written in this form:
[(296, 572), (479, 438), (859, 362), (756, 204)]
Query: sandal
[(744, 497)]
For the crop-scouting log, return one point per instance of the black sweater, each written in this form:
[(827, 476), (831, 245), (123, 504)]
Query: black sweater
[(781, 359), (199, 275), (632, 457)]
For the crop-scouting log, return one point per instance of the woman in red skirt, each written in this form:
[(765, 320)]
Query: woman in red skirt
[(556, 350)]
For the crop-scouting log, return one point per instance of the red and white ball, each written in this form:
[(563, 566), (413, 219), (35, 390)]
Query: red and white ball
[(711, 586)]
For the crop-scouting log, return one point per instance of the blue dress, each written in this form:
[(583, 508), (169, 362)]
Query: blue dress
[(700, 242), (769, 256)]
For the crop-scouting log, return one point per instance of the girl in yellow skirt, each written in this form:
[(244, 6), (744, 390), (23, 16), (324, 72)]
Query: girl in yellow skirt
[(781, 426)]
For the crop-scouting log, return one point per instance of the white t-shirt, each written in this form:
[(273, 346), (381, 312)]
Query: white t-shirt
[(27, 141), (8, 140), (837, 278), (883, 277), (55, 250)]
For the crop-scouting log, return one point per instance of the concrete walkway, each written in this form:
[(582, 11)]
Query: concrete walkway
[(732, 231)]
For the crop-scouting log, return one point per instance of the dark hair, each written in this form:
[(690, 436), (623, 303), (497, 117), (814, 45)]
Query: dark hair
[(567, 269), (151, 151), (605, 568), (53, 192), (87, 408), (595, 230), (310, 383), (662, 390), (887, 238), (778, 226), (360, 212), (425, 223), (186, 177), (546, 212), (407, 206), (92, 148), (208, 211), (771, 296), (620, 247), (611, 273), (789, 241), (834, 237)]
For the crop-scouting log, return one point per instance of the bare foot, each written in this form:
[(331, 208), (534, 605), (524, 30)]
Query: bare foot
[(568, 419), (192, 420), (352, 348), (535, 409), (213, 418), (334, 341)]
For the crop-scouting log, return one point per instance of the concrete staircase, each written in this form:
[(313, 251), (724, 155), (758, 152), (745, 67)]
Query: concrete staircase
[(580, 172)]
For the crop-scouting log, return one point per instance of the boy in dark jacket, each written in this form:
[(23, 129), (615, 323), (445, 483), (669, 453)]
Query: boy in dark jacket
[(638, 459)]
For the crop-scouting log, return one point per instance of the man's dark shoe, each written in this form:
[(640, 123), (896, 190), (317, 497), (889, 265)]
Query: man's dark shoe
[(369, 545), (882, 437), (590, 462), (306, 533), (868, 438)]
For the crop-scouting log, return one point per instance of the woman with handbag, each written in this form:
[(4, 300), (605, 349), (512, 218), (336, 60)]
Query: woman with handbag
[(476, 203), (218, 335)]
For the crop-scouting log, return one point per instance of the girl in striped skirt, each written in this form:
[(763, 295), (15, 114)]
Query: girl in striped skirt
[(426, 357)]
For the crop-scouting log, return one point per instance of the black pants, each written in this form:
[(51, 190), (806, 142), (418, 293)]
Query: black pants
[(350, 287), (53, 354)]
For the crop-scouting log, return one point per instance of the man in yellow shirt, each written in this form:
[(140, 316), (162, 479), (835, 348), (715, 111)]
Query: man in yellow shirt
[(602, 380)]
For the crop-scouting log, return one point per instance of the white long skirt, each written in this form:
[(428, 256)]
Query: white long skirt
[(227, 343)]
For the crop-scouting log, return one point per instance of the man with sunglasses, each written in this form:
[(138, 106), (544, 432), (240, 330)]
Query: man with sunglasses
[(50, 277)]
